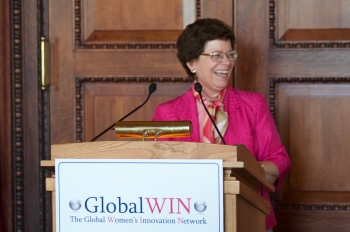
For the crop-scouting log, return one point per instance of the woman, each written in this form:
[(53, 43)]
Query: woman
[(205, 51)]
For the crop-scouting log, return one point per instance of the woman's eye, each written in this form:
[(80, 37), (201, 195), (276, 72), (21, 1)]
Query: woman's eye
[(216, 55)]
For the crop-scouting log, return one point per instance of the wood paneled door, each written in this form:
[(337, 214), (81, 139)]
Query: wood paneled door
[(104, 54), (297, 54)]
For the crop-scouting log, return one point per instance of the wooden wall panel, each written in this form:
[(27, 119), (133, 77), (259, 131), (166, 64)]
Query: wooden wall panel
[(222, 10), (127, 62), (30, 137), (62, 106), (312, 118), (131, 20), (304, 63), (313, 20), (137, 15), (7, 183), (252, 36), (111, 101), (318, 138), (309, 24)]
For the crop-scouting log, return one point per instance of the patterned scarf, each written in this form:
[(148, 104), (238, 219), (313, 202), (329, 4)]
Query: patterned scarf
[(216, 110)]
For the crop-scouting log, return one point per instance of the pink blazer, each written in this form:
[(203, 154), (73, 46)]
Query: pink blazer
[(249, 122)]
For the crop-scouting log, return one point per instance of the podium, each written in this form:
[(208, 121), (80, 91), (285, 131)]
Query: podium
[(244, 178)]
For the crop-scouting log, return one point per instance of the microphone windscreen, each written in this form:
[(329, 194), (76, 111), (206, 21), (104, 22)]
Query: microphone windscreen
[(198, 87), (152, 87)]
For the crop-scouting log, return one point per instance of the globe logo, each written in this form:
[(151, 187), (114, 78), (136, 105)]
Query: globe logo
[(74, 204), (200, 206)]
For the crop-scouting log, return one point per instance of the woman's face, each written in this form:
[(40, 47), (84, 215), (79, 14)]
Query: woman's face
[(213, 76)]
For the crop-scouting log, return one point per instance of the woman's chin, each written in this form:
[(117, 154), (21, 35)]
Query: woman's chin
[(219, 87), (221, 84)]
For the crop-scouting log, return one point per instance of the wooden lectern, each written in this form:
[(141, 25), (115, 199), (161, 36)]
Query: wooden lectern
[(244, 178)]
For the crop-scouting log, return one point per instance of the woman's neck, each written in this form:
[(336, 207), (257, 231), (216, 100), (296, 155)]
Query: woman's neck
[(212, 96)]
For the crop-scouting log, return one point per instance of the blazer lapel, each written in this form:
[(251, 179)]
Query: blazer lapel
[(190, 112)]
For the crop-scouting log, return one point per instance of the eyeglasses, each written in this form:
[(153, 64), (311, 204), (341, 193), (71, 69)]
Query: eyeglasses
[(219, 56)]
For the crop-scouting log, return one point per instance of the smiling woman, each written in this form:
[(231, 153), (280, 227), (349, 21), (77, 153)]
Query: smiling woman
[(205, 50)]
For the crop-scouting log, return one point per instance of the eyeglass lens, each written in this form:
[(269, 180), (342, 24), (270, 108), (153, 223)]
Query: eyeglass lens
[(218, 56)]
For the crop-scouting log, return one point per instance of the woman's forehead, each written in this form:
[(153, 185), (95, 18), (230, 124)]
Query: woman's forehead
[(218, 45)]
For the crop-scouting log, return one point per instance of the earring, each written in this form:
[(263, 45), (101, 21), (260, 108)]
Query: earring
[(193, 70)]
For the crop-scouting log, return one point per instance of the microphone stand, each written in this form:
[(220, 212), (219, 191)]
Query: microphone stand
[(152, 88), (198, 88)]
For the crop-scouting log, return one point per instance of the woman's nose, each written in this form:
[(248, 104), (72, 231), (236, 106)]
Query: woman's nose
[(225, 60)]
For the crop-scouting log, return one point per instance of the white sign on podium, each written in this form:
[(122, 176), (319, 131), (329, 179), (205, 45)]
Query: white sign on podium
[(139, 195)]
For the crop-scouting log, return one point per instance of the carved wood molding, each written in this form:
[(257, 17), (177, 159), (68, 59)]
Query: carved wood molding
[(80, 44), (198, 9), (275, 43), (307, 206), (17, 73), (320, 207), (274, 81), (79, 93)]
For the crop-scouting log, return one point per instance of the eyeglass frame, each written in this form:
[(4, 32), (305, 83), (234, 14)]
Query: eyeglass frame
[(235, 55)]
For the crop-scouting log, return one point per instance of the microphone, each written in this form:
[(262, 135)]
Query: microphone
[(198, 88), (152, 87)]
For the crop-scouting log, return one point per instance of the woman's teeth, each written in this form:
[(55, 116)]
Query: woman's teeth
[(221, 72)]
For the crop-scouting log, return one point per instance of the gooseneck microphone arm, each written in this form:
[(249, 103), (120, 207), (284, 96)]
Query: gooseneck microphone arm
[(152, 88), (198, 88)]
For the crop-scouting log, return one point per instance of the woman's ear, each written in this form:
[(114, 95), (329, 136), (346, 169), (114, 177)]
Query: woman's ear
[(190, 65)]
